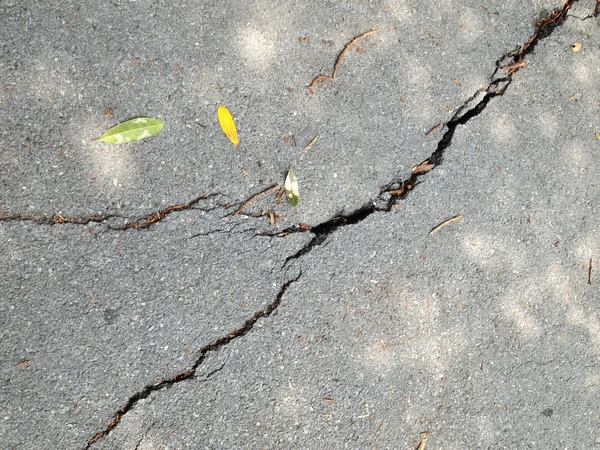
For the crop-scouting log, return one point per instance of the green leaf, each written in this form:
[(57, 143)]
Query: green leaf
[(292, 193), (132, 130)]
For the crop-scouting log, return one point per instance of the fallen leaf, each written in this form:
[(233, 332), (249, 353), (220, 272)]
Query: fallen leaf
[(292, 192), (576, 46), (109, 113), (227, 124), (132, 130), (598, 135)]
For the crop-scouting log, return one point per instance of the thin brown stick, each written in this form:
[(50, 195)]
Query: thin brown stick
[(446, 222), (433, 128), (279, 196), (253, 198), (590, 269), (512, 68), (338, 61), (310, 144)]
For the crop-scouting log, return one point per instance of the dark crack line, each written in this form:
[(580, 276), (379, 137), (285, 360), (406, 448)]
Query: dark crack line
[(214, 372), (57, 218), (150, 219), (191, 374), (141, 223), (231, 230), (397, 190)]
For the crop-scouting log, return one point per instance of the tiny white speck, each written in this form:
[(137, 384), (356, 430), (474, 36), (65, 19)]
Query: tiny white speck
[(115, 182)]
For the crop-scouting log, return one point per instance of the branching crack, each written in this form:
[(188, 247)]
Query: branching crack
[(149, 219), (396, 190), (191, 374)]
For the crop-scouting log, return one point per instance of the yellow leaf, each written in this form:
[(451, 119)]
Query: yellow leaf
[(227, 124), (576, 46)]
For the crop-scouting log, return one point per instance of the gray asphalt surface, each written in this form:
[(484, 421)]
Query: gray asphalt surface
[(137, 312)]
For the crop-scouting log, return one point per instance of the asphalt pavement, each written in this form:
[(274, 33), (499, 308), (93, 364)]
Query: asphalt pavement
[(436, 287)]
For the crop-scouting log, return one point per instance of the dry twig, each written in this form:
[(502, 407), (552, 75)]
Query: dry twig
[(253, 198), (446, 222), (338, 61), (433, 128), (310, 144)]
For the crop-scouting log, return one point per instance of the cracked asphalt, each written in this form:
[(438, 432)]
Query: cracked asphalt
[(157, 295)]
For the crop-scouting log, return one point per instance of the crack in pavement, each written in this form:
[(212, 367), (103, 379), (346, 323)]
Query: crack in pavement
[(141, 223), (191, 374), (388, 197), (149, 219), (55, 219), (396, 190)]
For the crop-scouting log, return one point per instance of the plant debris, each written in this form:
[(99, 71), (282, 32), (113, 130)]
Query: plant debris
[(132, 130), (292, 192), (512, 68), (433, 128), (349, 45), (425, 166), (253, 198), (446, 222), (310, 144), (424, 439), (227, 125)]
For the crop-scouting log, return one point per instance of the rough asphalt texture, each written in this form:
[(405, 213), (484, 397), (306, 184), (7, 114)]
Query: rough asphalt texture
[(136, 313)]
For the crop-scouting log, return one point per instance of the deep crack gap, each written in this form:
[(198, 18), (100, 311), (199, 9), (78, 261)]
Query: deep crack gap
[(497, 87)]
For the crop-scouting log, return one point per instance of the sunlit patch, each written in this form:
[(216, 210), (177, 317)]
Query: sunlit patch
[(257, 47), (479, 246), (379, 354), (589, 322), (400, 9), (518, 309), (291, 399), (549, 124), (503, 129), (471, 25), (592, 384), (105, 164), (564, 291)]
